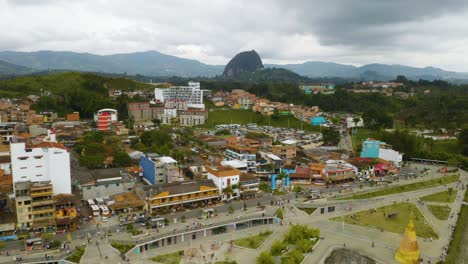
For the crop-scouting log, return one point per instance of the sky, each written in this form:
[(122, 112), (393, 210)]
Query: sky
[(410, 32)]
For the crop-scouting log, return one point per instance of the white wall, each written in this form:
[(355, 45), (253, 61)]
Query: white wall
[(350, 123), (391, 155), (41, 164)]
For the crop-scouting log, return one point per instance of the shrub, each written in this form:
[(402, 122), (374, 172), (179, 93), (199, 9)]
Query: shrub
[(265, 258), (277, 247)]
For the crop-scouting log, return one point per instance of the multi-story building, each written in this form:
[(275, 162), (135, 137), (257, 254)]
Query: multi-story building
[(239, 98), (144, 111), (248, 186), (104, 118), (94, 184), (66, 213), (192, 94), (35, 207), (241, 153), (224, 177), (325, 88), (374, 149), (286, 152), (174, 195), (193, 117), (47, 161), (157, 169)]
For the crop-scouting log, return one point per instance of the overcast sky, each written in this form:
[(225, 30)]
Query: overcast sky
[(410, 32)]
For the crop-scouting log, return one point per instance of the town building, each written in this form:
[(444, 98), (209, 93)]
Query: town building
[(243, 154), (350, 122), (144, 111), (318, 121), (75, 116), (248, 186), (47, 161), (224, 177), (126, 202), (193, 117), (104, 118), (157, 169), (324, 88), (94, 184), (192, 94), (376, 149), (240, 99), (286, 152), (191, 194), (35, 208), (66, 213)]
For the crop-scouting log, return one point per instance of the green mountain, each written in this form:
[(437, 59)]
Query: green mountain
[(70, 91), (271, 75), (8, 69), (244, 62)]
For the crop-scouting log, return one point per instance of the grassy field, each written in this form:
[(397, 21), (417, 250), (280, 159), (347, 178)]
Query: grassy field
[(252, 241), (171, 258), (123, 248), (440, 212), (441, 197), (457, 252), (309, 211), (361, 135), (406, 188), (76, 255), (242, 117), (397, 224)]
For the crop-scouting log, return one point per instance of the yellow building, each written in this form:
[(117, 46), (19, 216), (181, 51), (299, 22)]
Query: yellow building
[(408, 252), (191, 194), (66, 214)]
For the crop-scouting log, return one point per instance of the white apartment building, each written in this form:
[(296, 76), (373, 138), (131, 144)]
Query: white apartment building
[(47, 161), (224, 177), (192, 94)]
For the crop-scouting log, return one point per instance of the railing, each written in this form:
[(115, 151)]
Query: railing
[(37, 194), (183, 200), (194, 229)]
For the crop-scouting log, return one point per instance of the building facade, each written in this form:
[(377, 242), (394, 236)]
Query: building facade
[(192, 94), (104, 118), (193, 117), (224, 178), (158, 170), (47, 161)]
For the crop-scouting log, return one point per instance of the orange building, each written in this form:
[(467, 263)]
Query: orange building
[(75, 116)]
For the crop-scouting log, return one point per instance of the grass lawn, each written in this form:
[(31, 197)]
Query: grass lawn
[(440, 212), (252, 241), (396, 225), (123, 248), (441, 197), (76, 255), (361, 135), (242, 117), (171, 258), (309, 211), (457, 252), (406, 188)]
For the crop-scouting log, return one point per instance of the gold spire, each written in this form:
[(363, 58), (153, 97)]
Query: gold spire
[(408, 253)]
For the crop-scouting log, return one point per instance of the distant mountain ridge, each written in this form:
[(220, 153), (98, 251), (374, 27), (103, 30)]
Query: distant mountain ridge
[(7, 68), (153, 63)]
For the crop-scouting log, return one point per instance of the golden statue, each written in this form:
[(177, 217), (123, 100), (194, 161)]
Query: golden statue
[(408, 253)]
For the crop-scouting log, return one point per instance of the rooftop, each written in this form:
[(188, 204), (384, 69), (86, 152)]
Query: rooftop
[(176, 188), (222, 171)]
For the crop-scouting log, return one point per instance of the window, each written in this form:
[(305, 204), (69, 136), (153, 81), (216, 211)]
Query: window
[(117, 184), (20, 203), (27, 202), (107, 185), (88, 188)]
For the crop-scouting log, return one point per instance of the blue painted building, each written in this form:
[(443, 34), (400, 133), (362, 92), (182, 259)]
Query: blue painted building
[(317, 120), (370, 148), (149, 168)]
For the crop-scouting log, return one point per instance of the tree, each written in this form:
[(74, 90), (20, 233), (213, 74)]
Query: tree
[(275, 115), (331, 136), (122, 159), (463, 141), (223, 132), (277, 247), (265, 258), (304, 245)]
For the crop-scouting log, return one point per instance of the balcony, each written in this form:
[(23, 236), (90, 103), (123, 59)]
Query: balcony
[(39, 194), (43, 211), (182, 201), (42, 202)]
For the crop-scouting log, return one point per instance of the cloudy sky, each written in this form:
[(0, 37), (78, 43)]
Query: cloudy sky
[(411, 32)]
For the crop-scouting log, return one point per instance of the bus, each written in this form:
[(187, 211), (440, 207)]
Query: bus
[(33, 243), (95, 210), (91, 202), (104, 210)]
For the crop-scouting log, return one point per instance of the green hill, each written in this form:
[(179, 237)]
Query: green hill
[(7, 68), (271, 75), (70, 91)]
